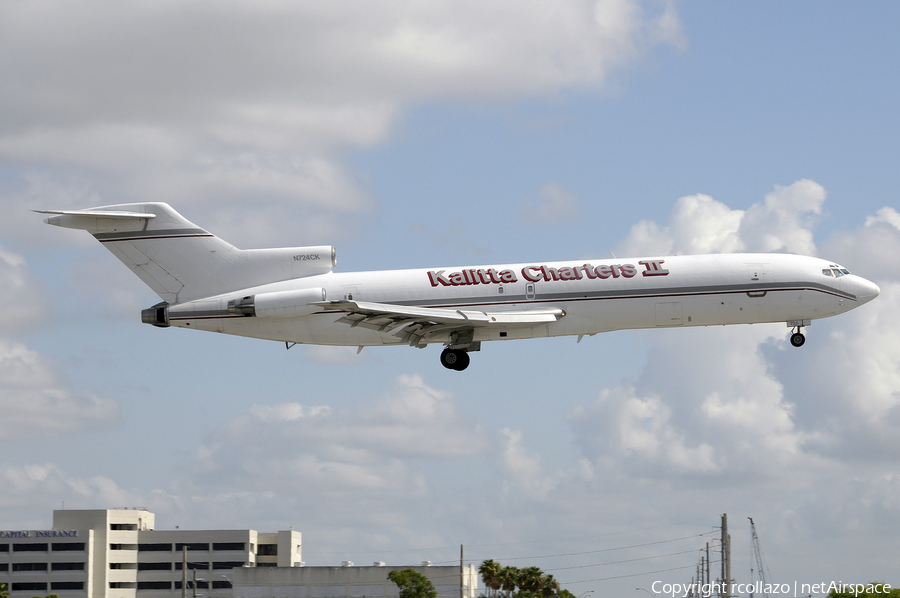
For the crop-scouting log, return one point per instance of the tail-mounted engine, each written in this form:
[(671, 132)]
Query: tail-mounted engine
[(279, 304), (158, 315)]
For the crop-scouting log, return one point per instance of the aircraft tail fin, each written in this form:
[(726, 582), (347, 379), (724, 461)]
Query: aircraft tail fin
[(181, 261)]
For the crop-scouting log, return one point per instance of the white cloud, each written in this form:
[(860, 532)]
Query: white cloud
[(32, 491), (365, 448), (699, 224), (24, 303), (783, 221), (32, 399), (204, 103)]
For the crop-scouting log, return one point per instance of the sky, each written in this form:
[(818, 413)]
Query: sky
[(426, 134)]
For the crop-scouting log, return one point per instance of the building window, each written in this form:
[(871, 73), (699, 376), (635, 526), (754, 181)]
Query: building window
[(123, 526), (123, 565), (190, 585), (195, 565), (155, 548), (229, 546), (123, 546), (68, 546), (154, 585), (191, 546), (118, 585), (268, 550), (227, 564), (221, 585), (67, 567), (29, 566), (4, 547), (67, 585), (29, 548), (29, 586), (4, 566), (154, 566), (270, 565)]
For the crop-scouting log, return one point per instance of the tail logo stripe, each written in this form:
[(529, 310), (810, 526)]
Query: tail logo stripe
[(152, 234)]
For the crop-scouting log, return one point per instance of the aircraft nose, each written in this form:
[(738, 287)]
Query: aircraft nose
[(868, 290)]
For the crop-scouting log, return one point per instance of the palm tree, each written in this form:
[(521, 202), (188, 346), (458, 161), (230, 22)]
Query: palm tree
[(530, 579), (549, 586), (508, 578), (490, 574)]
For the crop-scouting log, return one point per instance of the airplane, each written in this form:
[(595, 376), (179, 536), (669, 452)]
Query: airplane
[(292, 294)]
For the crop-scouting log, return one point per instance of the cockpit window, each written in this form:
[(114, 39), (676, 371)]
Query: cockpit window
[(835, 272)]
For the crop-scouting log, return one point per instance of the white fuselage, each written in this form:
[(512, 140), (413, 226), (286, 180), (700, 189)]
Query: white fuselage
[(596, 296)]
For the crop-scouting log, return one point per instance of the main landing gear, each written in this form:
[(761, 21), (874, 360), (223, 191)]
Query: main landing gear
[(455, 359)]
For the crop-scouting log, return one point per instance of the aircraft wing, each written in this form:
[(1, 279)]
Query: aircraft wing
[(415, 324)]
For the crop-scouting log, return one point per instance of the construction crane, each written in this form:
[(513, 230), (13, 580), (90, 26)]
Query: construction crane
[(761, 567)]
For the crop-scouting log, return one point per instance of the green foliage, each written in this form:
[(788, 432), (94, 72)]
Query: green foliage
[(875, 588), (4, 591), (490, 575), (412, 584), (529, 582)]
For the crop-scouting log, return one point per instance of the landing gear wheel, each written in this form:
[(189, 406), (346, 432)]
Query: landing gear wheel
[(797, 339), (454, 359)]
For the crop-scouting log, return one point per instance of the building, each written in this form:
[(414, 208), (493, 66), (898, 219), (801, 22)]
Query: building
[(349, 581), (118, 554)]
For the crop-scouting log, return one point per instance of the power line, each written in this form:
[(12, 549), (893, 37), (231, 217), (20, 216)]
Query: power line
[(629, 575), (544, 541)]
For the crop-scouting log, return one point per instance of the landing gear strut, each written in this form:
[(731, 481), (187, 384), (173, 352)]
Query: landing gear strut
[(797, 339), (455, 359)]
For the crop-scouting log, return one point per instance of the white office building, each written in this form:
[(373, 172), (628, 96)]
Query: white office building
[(118, 554), (350, 581)]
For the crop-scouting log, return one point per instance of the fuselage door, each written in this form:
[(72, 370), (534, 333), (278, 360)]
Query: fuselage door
[(529, 290)]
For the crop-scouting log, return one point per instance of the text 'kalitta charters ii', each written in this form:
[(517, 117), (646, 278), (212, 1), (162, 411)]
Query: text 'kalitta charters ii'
[(546, 273)]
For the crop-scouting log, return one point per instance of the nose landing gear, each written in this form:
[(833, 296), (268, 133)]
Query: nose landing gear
[(455, 359)]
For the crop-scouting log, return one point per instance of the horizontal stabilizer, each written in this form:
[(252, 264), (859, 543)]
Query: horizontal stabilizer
[(97, 214)]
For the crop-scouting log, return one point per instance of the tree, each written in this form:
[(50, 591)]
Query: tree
[(529, 582), (4, 591), (549, 586), (490, 575), (509, 579), (412, 584)]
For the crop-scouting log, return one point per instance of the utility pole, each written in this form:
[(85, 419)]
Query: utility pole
[(462, 575), (726, 559), (707, 562), (184, 571)]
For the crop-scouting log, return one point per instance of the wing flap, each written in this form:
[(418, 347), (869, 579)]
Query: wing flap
[(388, 316)]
